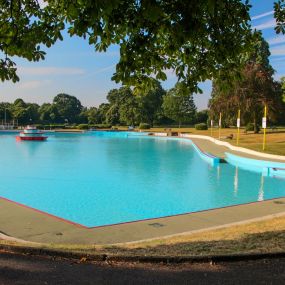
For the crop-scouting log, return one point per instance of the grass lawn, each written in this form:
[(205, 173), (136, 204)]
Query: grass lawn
[(255, 237)]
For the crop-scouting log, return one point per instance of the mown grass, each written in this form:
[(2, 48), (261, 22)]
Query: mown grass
[(255, 237)]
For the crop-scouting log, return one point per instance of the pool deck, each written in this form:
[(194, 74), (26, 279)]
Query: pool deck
[(219, 151), (31, 225)]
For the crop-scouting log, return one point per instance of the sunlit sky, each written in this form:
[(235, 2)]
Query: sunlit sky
[(73, 67)]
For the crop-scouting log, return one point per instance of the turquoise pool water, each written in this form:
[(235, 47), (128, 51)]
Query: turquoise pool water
[(100, 178)]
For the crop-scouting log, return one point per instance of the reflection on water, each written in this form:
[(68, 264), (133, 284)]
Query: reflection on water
[(236, 182), (261, 190), (218, 172)]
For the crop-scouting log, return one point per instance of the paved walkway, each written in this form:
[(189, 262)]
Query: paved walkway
[(219, 151), (27, 224)]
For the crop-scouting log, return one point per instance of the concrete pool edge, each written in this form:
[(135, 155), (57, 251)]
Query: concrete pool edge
[(46, 229), (128, 222), (241, 150)]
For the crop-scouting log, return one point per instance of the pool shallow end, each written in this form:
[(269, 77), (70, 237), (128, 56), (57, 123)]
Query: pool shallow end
[(267, 168)]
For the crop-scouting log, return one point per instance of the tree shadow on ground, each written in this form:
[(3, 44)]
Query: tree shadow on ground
[(271, 241), (23, 269)]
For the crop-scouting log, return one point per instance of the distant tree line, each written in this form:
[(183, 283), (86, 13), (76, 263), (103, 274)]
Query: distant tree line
[(155, 106)]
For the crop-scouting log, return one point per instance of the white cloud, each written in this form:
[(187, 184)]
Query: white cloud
[(262, 15), (33, 84), (101, 70), (280, 50), (276, 40), (266, 25), (42, 3), (278, 76), (49, 71)]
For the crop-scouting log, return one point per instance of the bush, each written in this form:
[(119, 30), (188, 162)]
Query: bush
[(250, 127), (40, 126), (144, 126), (100, 126), (201, 126), (54, 126), (83, 127)]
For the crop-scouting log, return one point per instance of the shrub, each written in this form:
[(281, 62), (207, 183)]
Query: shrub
[(144, 126), (201, 126), (83, 127), (250, 128), (54, 126), (40, 126), (100, 126)]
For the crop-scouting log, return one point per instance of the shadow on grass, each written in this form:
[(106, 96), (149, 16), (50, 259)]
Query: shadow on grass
[(273, 241)]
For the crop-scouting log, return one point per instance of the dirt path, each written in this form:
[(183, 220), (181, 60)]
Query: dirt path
[(22, 269)]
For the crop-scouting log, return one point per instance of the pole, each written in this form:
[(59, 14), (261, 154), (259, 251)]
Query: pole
[(264, 127), (5, 117), (211, 128), (220, 125), (238, 126)]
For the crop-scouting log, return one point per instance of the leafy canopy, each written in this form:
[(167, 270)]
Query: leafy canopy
[(195, 39)]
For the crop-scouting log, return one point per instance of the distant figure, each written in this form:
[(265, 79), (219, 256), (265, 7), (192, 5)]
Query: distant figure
[(231, 136)]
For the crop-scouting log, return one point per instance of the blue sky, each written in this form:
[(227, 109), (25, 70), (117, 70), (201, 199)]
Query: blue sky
[(72, 67)]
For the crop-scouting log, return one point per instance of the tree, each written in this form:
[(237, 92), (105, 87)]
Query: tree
[(44, 112), (5, 112), (24, 26), (93, 115), (68, 107), (33, 112), (178, 105), (123, 106), (282, 82), (129, 109), (279, 14), (255, 89), (149, 103), (202, 116), (196, 39), (102, 111)]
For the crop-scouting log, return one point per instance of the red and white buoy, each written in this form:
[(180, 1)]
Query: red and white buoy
[(31, 133)]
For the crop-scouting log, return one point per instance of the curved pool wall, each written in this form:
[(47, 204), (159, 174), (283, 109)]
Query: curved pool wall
[(209, 158), (103, 178), (267, 168)]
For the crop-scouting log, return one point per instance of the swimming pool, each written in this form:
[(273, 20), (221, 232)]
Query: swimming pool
[(101, 178)]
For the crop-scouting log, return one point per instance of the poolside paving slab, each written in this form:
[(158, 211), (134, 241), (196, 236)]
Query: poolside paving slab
[(219, 150), (30, 225)]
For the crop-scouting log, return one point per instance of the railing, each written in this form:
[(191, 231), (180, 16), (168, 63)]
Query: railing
[(7, 127)]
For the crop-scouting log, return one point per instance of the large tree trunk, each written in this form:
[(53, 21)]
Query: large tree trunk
[(255, 123)]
